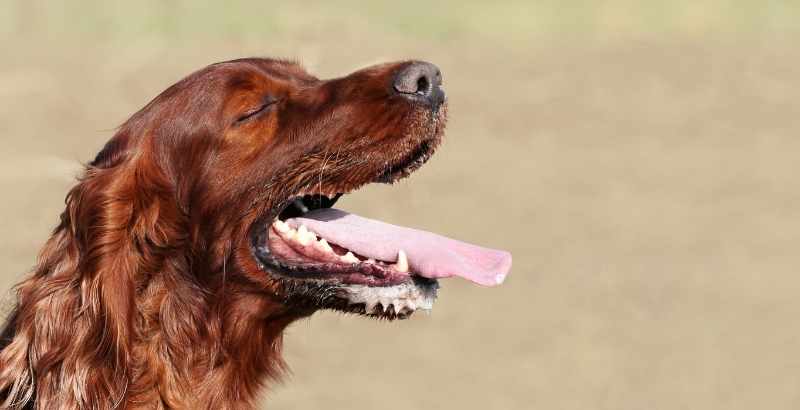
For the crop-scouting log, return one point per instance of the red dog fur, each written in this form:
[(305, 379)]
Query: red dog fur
[(147, 294)]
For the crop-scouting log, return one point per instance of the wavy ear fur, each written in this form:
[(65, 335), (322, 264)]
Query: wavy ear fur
[(68, 342)]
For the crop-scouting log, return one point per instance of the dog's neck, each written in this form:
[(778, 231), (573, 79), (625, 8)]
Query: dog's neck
[(211, 356), (182, 351)]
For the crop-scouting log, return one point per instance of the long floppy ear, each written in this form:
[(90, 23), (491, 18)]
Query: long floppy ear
[(67, 343)]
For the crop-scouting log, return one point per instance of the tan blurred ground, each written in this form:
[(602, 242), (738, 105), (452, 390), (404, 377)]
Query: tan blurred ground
[(639, 159)]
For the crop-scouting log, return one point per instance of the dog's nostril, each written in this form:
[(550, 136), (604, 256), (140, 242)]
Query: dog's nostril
[(423, 85), (418, 78)]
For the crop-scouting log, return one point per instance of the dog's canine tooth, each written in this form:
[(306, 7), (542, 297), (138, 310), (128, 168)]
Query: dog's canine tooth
[(350, 258), (402, 261)]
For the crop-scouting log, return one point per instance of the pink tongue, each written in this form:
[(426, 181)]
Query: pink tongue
[(429, 255)]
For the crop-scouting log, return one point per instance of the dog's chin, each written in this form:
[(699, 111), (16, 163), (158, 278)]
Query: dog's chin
[(399, 301)]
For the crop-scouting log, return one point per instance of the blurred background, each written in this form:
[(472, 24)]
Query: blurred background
[(639, 158)]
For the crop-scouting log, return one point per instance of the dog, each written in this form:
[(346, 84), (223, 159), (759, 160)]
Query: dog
[(205, 226)]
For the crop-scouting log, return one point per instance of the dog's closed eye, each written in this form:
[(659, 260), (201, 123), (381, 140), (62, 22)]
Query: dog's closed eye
[(252, 113)]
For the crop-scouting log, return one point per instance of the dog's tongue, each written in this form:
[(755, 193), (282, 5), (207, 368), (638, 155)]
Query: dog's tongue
[(429, 255)]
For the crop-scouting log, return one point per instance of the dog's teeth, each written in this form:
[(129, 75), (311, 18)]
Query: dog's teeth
[(370, 260), (402, 261), (322, 245), (291, 234), (369, 307), (411, 305), (304, 237), (281, 226), (350, 258)]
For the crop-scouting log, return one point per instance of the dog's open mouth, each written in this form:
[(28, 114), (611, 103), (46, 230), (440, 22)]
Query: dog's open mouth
[(377, 268)]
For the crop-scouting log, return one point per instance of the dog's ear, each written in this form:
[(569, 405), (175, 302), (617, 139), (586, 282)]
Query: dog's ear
[(70, 337), (124, 220)]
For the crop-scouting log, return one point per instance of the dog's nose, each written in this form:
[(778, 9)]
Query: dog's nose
[(420, 81)]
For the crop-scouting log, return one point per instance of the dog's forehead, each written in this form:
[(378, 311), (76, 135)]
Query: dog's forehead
[(285, 69), (265, 75)]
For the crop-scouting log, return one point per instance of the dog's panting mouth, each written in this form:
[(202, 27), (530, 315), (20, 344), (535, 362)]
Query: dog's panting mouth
[(374, 262)]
